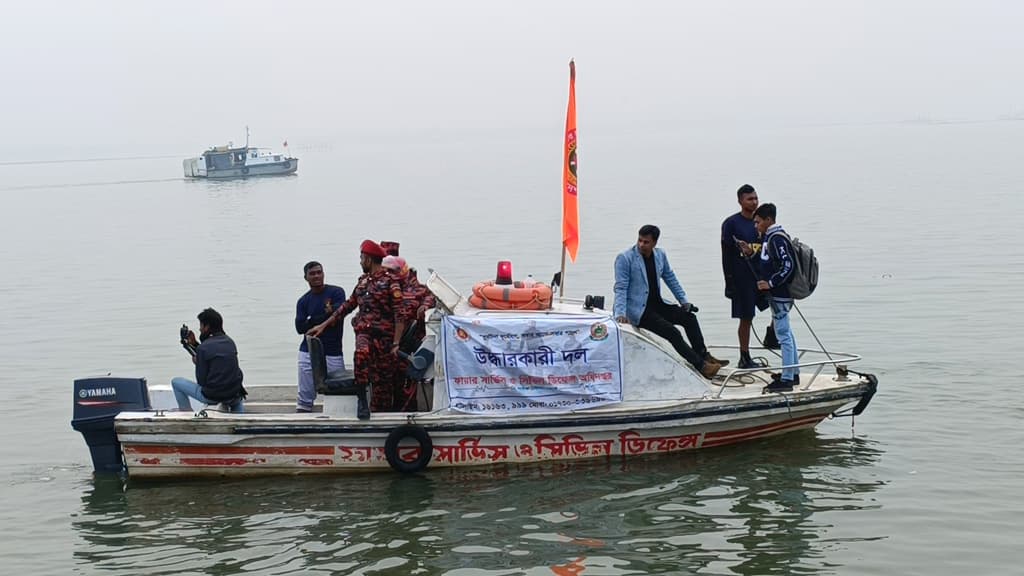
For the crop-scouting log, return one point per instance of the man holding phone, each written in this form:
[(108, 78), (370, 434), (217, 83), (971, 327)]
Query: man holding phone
[(218, 377), (740, 282)]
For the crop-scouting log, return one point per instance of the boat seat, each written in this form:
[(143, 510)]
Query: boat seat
[(337, 383), (340, 382)]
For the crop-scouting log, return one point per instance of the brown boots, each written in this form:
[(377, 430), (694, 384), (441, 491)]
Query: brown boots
[(710, 369)]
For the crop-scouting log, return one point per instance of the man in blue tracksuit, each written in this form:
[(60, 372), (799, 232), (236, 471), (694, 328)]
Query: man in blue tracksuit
[(638, 274), (316, 305), (776, 266)]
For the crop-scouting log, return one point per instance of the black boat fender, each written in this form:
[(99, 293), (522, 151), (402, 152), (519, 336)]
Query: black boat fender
[(865, 398), (245, 169), (417, 433), (868, 394)]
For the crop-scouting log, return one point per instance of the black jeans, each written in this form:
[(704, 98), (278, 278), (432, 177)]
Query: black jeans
[(663, 323)]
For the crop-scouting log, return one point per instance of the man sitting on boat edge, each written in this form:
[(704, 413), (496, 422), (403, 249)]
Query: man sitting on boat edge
[(218, 376), (638, 274)]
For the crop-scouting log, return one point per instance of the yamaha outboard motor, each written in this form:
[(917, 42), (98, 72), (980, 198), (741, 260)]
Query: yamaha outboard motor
[(97, 401)]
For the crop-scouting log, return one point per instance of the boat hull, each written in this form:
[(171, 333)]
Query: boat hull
[(180, 445), (289, 166)]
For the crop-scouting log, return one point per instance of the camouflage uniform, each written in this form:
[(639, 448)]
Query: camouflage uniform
[(378, 296), (414, 296)]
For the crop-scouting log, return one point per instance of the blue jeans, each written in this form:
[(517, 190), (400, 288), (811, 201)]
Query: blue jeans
[(185, 389), (780, 313)]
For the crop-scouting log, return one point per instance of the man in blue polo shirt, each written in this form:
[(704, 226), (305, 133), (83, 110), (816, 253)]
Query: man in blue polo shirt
[(740, 282), (315, 306)]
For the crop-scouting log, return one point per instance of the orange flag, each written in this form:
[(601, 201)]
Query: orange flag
[(570, 208)]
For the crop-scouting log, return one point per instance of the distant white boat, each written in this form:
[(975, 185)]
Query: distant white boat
[(241, 162)]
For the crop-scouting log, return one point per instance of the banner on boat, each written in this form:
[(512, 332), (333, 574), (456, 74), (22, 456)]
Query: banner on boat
[(502, 365)]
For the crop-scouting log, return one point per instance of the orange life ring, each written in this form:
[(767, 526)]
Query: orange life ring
[(491, 296)]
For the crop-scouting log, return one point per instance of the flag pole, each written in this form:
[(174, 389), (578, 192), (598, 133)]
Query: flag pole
[(561, 275)]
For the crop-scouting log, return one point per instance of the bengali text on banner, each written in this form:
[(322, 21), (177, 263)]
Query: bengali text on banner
[(543, 364)]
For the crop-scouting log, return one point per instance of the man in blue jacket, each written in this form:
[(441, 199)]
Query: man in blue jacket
[(776, 272), (638, 274)]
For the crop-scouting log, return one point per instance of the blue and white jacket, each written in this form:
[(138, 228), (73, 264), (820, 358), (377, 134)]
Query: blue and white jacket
[(776, 262), (631, 287)]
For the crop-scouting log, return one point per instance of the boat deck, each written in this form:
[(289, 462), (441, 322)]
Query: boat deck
[(729, 385)]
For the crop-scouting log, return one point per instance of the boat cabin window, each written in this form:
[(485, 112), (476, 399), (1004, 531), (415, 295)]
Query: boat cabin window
[(253, 155), (277, 158), (218, 161)]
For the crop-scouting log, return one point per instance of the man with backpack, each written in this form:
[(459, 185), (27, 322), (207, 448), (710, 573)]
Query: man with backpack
[(776, 263)]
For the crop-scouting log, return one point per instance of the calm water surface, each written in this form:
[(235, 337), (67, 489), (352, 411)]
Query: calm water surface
[(915, 226)]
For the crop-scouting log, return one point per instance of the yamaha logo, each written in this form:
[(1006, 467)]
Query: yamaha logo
[(94, 392)]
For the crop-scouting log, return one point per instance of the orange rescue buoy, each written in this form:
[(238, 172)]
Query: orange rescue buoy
[(491, 296)]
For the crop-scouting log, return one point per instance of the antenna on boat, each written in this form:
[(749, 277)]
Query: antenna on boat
[(247, 136)]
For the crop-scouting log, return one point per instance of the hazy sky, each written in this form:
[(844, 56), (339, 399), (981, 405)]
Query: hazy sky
[(180, 76)]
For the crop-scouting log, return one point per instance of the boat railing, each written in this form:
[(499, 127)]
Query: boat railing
[(832, 359)]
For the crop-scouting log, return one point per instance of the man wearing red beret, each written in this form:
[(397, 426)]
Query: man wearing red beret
[(378, 325)]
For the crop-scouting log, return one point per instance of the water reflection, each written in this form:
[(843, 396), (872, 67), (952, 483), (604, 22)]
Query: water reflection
[(764, 508)]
